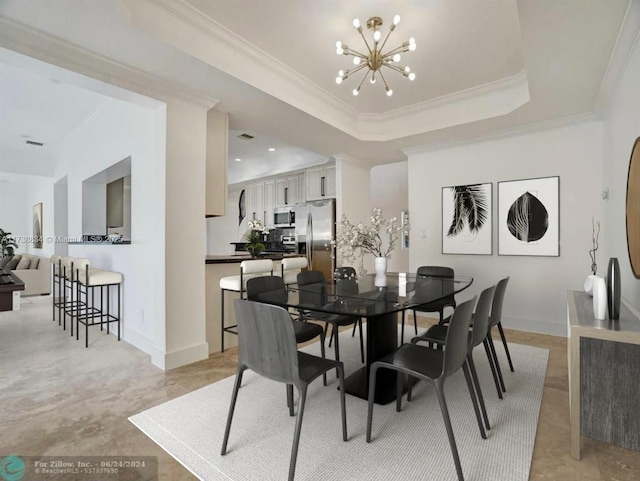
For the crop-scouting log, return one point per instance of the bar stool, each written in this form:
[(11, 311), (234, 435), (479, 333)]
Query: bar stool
[(67, 277), (290, 267), (248, 270), (56, 285), (88, 280)]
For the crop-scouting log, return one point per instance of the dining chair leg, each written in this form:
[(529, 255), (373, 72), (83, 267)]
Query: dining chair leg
[(506, 347), (361, 340), (302, 393), (497, 363), (474, 400), (370, 399), (415, 321), (485, 343), (353, 332), (402, 329), (334, 331), (232, 406), (323, 354), (447, 422), (409, 388), (290, 399), (343, 404), (476, 383), (399, 387), (326, 331)]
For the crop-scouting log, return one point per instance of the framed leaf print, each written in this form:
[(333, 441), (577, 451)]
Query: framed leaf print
[(467, 219), (529, 217)]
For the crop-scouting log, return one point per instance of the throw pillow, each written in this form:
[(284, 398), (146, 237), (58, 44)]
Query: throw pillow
[(24, 263), (13, 263), (4, 261), (34, 262)]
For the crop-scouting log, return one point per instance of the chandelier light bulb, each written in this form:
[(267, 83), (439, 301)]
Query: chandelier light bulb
[(356, 60), (389, 92), (407, 69), (412, 76), (356, 22), (397, 58), (356, 92), (396, 20), (338, 80), (412, 44), (341, 73), (372, 79), (338, 44), (377, 35)]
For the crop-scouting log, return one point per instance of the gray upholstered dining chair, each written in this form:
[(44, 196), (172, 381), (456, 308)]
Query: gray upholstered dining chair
[(267, 346), (313, 293), (438, 333), (435, 306), (432, 366), (273, 290)]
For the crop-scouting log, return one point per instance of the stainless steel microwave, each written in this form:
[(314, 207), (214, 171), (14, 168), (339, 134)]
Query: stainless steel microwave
[(284, 217)]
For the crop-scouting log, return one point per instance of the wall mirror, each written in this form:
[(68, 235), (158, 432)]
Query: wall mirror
[(633, 209)]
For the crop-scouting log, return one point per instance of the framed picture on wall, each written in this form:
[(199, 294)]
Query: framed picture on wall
[(529, 217), (467, 219), (37, 226)]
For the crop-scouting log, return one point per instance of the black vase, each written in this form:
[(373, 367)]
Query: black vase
[(613, 288)]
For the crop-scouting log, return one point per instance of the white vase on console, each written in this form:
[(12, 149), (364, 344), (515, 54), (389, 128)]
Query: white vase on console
[(599, 298), (588, 284)]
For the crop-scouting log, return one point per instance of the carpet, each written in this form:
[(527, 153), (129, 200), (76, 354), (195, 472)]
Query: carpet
[(410, 445)]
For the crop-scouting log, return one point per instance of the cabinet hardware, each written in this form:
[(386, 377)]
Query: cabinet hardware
[(322, 186), (286, 195)]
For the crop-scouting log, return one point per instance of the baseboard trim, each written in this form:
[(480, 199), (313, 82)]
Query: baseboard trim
[(185, 356)]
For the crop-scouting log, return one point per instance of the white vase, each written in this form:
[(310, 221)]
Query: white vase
[(599, 298), (588, 284), (380, 264)]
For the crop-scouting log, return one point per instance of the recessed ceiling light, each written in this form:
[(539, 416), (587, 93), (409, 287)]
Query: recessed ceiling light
[(272, 149), (238, 160)]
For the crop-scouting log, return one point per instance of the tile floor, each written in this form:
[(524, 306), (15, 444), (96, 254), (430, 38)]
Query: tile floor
[(58, 398)]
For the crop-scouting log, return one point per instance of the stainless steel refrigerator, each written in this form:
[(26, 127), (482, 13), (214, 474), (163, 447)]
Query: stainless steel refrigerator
[(315, 227)]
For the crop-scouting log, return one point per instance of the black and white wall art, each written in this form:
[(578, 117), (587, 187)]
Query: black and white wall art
[(529, 217), (467, 219)]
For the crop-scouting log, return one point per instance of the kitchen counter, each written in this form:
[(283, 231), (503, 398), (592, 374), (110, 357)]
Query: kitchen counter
[(233, 258)]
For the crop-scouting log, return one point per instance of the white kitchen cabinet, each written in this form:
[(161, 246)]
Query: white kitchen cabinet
[(288, 190), (260, 201), (321, 182)]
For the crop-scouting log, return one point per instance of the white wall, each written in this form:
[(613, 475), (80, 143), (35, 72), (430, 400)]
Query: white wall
[(121, 130), (353, 187), (390, 192), (94, 208), (621, 128), (18, 195), (536, 296)]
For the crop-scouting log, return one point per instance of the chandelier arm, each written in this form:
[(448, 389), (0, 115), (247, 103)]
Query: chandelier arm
[(355, 53), (365, 41), (391, 53), (385, 40), (383, 80), (357, 69), (395, 67), (363, 79)]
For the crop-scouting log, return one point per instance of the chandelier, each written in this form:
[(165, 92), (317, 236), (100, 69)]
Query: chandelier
[(373, 61)]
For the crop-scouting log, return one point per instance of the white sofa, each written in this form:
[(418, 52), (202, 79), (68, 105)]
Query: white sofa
[(36, 281)]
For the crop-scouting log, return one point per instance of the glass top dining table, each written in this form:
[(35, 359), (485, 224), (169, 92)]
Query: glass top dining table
[(378, 300)]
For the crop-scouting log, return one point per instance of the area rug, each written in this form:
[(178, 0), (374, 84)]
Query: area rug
[(410, 445)]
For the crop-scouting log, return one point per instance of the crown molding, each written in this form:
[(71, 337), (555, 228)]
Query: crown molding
[(47, 48), (181, 25), (504, 133), (626, 43)]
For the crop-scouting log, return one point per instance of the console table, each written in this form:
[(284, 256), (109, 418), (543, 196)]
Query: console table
[(604, 369), (10, 285)]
